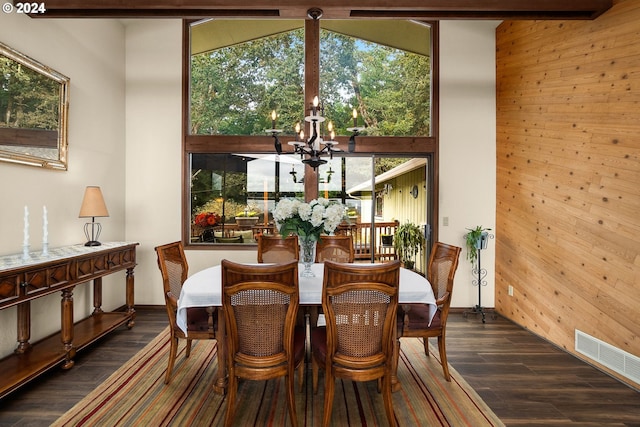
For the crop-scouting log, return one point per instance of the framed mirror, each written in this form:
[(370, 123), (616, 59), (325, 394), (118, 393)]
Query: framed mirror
[(34, 106)]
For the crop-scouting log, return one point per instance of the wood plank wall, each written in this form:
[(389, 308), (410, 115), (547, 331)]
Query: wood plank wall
[(568, 178)]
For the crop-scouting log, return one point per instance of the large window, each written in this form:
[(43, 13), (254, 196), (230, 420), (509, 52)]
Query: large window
[(242, 71)]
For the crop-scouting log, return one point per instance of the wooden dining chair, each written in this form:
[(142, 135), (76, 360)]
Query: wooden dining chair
[(414, 318), (201, 322), (277, 249), (335, 248), (360, 303), (260, 306)]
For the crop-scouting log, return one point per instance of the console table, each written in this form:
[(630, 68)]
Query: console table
[(60, 270)]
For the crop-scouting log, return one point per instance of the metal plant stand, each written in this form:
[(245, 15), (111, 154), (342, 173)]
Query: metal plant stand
[(481, 275), (480, 282)]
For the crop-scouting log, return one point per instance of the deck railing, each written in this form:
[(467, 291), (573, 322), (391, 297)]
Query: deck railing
[(382, 247)]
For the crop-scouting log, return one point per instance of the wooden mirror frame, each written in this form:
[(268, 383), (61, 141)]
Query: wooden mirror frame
[(32, 139)]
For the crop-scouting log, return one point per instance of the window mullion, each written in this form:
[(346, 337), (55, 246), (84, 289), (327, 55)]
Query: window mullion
[(311, 89)]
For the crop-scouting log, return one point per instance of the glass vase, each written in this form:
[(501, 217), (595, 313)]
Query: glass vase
[(307, 256)]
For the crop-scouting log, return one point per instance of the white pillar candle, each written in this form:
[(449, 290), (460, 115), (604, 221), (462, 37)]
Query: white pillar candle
[(26, 227), (45, 226)]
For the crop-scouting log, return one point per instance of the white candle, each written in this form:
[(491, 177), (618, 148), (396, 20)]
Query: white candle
[(45, 226), (26, 227)]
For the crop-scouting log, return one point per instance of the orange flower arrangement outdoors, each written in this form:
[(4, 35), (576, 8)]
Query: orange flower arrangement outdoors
[(207, 219)]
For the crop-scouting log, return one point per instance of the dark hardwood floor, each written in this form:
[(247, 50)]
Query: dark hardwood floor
[(524, 379), (529, 382)]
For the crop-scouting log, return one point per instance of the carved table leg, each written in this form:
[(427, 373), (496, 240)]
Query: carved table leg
[(220, 385), (67, 327), (130, 293), (24, 327), (97, 295)]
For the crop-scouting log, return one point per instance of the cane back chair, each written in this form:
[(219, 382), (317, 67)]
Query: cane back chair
[(360, 303), (277, 249), (335, 248), (201, 322), (443, 263), (260, 305)]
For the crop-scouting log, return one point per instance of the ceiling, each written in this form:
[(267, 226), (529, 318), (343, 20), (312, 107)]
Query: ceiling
[(332, 9), (410, 36)]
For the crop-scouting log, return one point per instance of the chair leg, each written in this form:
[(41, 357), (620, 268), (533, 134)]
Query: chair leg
[(291, 400), (388, 400), (329, 390), (173, 351), (443, 357), (232, 389), (395, 384), (314, 374), (187, 352), (425, 341), (301, 372)]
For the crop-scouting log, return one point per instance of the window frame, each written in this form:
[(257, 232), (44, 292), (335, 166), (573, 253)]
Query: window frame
[(416, 146)]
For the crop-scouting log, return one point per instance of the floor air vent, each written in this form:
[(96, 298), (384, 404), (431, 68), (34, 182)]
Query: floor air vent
[(620, 361)]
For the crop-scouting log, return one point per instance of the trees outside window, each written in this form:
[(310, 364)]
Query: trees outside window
[(233, 88)]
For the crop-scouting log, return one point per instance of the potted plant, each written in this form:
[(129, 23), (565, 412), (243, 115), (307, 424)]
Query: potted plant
[(409, 239), (476, 239), (247, 218)]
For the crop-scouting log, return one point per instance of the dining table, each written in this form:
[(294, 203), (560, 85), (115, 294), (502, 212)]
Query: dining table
[(204, 289)]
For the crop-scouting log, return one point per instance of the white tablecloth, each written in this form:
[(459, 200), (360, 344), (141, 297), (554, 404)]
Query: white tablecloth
[(203, 289)]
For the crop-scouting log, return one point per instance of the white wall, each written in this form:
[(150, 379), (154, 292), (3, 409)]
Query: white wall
[(91, 54), (467, 146), (154, 162)]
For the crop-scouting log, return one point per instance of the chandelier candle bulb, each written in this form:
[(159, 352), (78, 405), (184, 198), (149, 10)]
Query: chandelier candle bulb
[(273, 119), (312, 150), (355, 118)]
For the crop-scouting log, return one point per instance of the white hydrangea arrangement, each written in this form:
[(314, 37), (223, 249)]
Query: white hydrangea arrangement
[(308, 220)]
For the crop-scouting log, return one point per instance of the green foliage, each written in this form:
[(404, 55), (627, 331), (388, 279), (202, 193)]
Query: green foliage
[(234, 89), (472, 239), (248, 214), (408, 240), (28, 99), (383, 164)]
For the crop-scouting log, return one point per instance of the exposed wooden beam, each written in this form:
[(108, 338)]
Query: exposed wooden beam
[(332, 9)]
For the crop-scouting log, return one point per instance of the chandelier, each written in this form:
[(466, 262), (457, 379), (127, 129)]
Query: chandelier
[(313, 149)]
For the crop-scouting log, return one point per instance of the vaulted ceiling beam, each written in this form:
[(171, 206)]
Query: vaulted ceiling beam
[(333, 9)]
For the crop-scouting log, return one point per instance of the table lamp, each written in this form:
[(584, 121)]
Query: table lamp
[(93, 206)]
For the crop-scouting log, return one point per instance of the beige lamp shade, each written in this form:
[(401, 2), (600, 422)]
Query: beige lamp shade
[(93, 203)]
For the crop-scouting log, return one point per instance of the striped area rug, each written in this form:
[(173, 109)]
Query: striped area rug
[(136, 395)]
